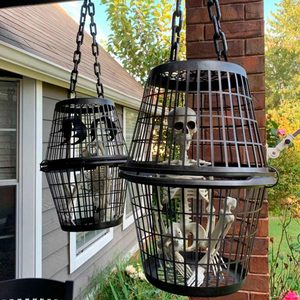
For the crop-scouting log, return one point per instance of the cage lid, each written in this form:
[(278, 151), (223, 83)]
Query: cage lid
[(197, 119)]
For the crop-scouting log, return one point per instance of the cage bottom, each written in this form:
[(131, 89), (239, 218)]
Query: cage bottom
[(161, 275), (86, 224)]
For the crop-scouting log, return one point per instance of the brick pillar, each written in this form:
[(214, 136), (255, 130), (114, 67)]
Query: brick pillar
[(243, 23)]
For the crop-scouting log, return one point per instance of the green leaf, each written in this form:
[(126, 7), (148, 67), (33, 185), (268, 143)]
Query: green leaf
[(114, 292), (140, 36)]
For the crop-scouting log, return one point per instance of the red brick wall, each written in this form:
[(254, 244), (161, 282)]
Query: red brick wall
[(243, 23)]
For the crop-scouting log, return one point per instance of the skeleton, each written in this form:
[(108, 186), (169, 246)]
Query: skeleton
[(101, 183), (97, 191), (183, 121)]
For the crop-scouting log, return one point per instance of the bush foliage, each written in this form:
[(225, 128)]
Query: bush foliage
[(125, 281), (281, 121), (284, 256)]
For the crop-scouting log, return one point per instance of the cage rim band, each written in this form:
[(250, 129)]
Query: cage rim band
[(245, 182), (93, 100), (196, 64), (78, 163), (232, 171), (82, 228), (195, 291)]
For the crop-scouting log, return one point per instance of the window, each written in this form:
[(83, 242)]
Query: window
[(84, 245), (9, 94), (8, 129), (20, 178), (129, 121)]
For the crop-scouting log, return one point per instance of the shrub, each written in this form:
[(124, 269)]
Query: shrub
[(284, 261), (279, 123), (125, 281)]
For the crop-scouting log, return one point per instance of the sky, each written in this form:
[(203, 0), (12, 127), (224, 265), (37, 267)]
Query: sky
[(270, 6), (73, 9)]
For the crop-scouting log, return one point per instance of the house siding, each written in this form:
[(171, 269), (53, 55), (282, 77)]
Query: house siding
[(55, 252)]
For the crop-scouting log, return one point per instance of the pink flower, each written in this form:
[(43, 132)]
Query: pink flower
[(281, 131), (291, 295)]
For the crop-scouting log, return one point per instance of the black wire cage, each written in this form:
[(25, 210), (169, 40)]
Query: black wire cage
[(86, 148), (200, 174)]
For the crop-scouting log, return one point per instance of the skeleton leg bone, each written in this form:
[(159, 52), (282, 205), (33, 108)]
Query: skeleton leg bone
[(225, 220), (211, 257)]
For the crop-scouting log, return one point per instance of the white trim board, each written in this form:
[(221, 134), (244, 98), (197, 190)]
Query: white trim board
[(29, 222), (19, 61)]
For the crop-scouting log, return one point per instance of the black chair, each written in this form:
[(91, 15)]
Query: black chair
[(36, 288)]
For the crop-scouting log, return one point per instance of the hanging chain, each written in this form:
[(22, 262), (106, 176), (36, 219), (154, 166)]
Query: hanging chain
[(87, 7), (219, 36), (176, 29), (77, 52), (95, 49)]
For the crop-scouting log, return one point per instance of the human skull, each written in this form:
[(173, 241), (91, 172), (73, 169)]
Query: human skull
[(183, 120)]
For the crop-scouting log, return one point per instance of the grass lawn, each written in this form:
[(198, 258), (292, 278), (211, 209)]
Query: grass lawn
[(284, 268), (275, 232)]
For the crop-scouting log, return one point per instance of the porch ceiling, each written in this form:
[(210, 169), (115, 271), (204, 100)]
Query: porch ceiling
[(10, 3)]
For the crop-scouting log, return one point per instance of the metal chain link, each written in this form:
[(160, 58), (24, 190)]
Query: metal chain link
[(176, 29), (77, 52), (87, 7), (220, 41), (95, 49)]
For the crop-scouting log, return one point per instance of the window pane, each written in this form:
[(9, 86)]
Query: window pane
[(84, 239), (8, 129), (7, 232), (131, 118), (8, 104), (8, 145), (130, 188)]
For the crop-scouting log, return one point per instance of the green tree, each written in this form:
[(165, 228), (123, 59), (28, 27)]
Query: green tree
[(141, 33), (283, 54)]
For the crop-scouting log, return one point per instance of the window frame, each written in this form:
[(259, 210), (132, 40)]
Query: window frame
[(78, 259), (28, 191)]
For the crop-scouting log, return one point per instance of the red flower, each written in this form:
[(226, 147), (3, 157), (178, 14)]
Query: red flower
[(291, 295)]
